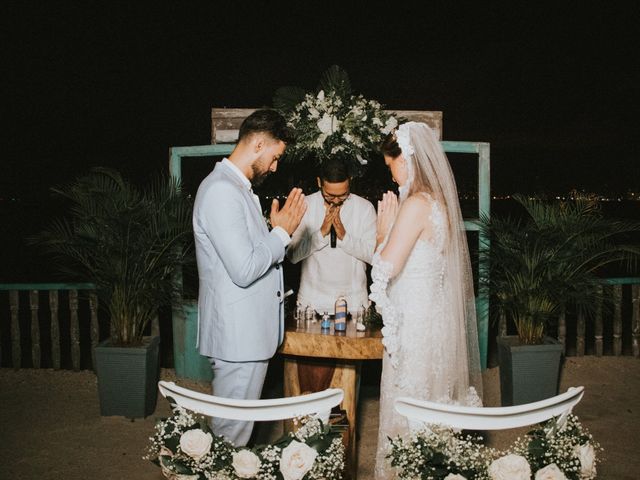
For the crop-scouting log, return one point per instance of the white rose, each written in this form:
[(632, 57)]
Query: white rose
[(324, 124), (389, 125), (550, 472), (328, 124), (457, 476), (587, 456), (320, 95), (296, 460), (195, 443), (510, 467), (246, 464)]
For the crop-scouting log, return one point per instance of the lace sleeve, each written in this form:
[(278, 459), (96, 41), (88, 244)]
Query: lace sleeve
[(380, 275)]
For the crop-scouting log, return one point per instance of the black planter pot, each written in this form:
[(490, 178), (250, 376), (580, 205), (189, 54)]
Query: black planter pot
[(528, 373), (128, 378)]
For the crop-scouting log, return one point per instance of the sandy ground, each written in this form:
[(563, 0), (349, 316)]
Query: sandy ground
[(50, 426)]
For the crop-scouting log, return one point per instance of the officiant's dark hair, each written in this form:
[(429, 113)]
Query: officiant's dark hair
[(267, 121), (334, 170)]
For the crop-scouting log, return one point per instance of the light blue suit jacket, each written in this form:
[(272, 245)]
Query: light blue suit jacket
[(240, 300)]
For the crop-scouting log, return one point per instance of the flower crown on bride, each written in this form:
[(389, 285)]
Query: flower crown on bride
[(404, 142), (402, 137)]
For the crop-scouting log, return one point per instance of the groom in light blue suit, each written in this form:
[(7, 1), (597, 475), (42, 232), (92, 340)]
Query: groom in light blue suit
[(240, 301)]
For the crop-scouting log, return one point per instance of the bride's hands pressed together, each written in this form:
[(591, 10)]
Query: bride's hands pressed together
[(387, 211)]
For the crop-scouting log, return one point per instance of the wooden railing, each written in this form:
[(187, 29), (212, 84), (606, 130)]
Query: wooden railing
[(52, 291), (616, 285), (614, 327)]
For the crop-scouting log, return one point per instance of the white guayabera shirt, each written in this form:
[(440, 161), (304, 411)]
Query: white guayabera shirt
[(326, 272)]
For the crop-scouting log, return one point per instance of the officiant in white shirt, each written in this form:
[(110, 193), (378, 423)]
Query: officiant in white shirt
[(334, 241)]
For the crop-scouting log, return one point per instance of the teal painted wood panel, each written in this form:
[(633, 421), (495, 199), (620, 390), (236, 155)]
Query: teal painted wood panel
[(621, 281), (176, 154)]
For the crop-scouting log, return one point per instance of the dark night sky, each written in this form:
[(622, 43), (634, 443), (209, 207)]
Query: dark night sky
[(554, 89)]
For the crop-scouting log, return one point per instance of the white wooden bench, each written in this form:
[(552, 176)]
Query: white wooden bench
[(319, 403), (490, 418)]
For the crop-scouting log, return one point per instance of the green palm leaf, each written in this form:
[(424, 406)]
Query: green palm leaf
[(130, 242), (285, 99), (551, 259), (336, 79)]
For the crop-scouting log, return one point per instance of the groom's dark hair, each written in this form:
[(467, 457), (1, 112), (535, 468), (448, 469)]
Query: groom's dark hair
[(334, 170), (266, 121)]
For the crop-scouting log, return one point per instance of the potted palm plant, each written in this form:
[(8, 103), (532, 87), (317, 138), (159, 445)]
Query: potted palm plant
[(540, 264), (130, 243)]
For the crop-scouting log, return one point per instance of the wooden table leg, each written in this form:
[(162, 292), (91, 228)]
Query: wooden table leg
[(346, 377), (291, 385)]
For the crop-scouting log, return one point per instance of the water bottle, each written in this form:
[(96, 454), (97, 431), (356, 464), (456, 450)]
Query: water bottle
[(340, 309)]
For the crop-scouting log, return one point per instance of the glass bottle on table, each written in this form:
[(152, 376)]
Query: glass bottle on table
[(309, 315), (298, 314), (360, 319), (340, 309), (326, 321)]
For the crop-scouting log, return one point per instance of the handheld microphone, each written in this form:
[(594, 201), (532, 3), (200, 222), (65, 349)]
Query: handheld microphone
[(333, 237)]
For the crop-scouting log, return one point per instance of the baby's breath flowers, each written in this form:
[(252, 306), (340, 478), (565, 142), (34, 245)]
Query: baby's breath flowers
[(550, 452), (571, 448), (184, 447), (437, 452)]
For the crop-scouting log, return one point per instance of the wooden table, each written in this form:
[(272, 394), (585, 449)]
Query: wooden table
[(315, 360)]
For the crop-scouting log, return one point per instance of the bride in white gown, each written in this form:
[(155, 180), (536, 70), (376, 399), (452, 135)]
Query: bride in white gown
[(423, 286)]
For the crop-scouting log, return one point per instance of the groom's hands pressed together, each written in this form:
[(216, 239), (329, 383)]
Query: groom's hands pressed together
[(288, 217)]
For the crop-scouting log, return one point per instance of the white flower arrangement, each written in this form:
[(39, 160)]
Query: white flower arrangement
[(332, 121), (549, 452), (184, 447), (327, 124)]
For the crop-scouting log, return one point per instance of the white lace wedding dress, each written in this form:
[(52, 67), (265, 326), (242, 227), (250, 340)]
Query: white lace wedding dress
[(420, 344)]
